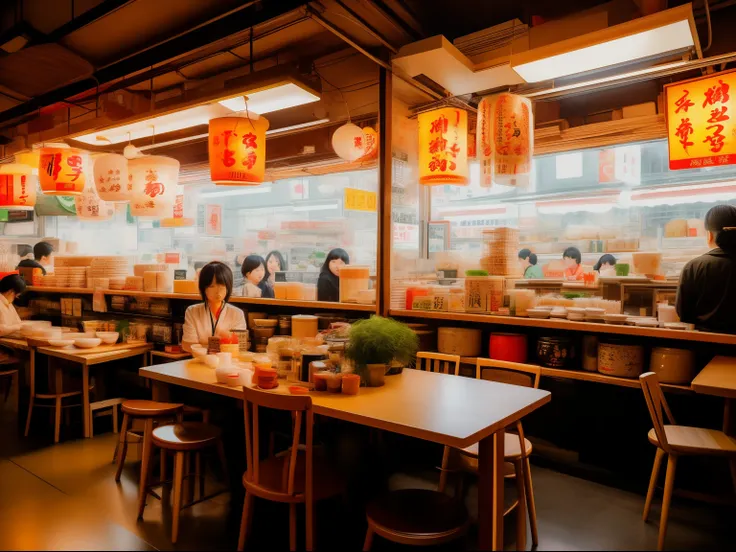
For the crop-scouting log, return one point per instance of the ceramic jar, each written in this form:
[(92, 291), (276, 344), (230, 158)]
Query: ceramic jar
[(675, 366), (619, 358), (555, 352)]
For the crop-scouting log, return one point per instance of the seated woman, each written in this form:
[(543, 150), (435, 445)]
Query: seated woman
[(328, 284), (707, 292), (275, 262), (256, 283), (606, 265), (214, 316), (572, 259), (528, 261), (10, 287)]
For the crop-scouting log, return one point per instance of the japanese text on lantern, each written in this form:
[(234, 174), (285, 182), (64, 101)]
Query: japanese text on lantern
[(700, 121), (110, 182), (443, 147)]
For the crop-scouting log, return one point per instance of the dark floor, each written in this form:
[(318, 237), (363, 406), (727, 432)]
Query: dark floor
[(64, 497)]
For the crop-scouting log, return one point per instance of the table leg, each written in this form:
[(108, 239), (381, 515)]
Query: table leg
[(85, 399), (159, 391), (32, 382), (490, 492)]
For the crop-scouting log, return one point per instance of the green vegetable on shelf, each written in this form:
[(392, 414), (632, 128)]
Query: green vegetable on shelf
[(476, 273)]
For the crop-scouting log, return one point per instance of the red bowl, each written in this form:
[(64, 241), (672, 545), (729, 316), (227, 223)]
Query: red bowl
[(508, 346)]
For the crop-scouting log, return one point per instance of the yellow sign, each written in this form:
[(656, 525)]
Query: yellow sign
[(360, 200), (701, 121)]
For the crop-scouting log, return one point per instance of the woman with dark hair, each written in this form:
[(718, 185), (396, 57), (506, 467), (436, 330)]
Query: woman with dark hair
[(214, 316), (528, 261), (572, 259), (254, 272), (10, 287), (275, 262), (607, 262), (328, 284), (706, 296)]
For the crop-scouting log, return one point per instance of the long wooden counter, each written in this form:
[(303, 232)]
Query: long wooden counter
[(555, 324), (316, 305)]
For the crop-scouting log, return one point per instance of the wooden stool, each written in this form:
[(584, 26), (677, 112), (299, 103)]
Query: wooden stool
[(7, 369), (182, 439), (152, 413), (674, 441)]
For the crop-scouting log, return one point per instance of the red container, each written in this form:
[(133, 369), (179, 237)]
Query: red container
[(412, 292), (507, 346)]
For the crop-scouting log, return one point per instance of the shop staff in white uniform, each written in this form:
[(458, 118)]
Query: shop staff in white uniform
[(215, 316), (10, 287)]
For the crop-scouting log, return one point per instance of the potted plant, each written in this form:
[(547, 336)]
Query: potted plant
[(375, 342)]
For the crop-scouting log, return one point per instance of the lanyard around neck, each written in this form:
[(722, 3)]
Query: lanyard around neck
[(215, 322)]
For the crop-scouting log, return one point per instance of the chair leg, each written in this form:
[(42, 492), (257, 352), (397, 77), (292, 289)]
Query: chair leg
[(162, 475), (521, 507), (653, 482), (245, 521), (223, 461), (669, 484), (115, 418), (443, 470), (28, 418), (121, 450), (199, 473), (292, 527), (57, 418), (368, 540), (145, 466), (530, 501), (178, 479), (188, 482)]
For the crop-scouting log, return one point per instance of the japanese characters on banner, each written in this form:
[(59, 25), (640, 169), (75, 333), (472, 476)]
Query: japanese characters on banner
[(370, 144), (505, 139), (154, 179), (213, 219), (360, 200), (177, 218), (112, 179), (61, 171), (237, 150), (700, 121), (443, 147), (90, 207), (17, 187)]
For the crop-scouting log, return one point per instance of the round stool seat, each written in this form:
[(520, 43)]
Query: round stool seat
[(186, 436), (150, 409)]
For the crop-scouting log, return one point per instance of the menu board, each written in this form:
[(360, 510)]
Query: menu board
[(438, 236)]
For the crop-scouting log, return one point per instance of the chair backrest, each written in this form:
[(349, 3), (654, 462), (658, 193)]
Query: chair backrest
[(514, 373), (300, 407), (438, 362), (658, 407)]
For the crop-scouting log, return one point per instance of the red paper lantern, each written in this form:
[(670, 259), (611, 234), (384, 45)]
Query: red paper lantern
[(17, 187), (237, 150), (61, 171)]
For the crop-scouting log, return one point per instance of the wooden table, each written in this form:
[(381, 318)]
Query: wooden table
[(444, 409), (718, 378), (87, 358), (13, 343)]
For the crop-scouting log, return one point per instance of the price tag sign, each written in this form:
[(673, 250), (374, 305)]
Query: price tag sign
[(360, 200)]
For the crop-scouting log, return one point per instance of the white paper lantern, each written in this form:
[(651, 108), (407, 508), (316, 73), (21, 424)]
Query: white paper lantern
[(154, 179), (17, 187), (90, 207), (111, 178), (348, 142)]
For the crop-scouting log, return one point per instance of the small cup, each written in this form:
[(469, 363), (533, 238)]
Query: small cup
[(225, 359), (334, 383), (350, 384), (320, 380)]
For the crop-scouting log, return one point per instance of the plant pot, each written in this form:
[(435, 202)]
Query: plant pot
[(395, 368), (375, 375)]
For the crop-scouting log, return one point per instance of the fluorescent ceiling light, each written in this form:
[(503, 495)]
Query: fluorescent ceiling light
[(668, 31), (230, 193), (272, 99)]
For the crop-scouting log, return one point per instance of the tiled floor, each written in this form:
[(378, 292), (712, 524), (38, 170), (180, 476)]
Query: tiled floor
[(65, 497)]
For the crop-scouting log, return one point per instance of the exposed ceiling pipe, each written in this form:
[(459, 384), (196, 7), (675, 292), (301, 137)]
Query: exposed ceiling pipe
[(392, 17), (100, 11), (366, 26)]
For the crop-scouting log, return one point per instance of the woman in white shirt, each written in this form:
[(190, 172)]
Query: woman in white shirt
[(213, 317), (10, 287)]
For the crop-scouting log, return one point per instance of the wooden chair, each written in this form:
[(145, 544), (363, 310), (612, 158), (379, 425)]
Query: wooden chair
[(294, 476), (517, 448), (183, 439), (438, 362), (8, 368), (674, 441), (108, 407)]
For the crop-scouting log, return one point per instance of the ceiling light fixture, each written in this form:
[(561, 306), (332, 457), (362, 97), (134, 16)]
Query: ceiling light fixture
[(666, 32)]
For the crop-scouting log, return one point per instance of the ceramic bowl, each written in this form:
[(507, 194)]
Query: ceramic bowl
[(616, 318), (79, 335), (647, 322), (576, 317), (594, 312), (199, 352), (266, 323), (576, 310), (538, 313), (108, 337), (212, 361), (676, 326), (61, 342), (87, 342)]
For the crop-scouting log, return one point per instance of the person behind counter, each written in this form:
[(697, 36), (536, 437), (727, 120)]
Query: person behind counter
[(43, 257), (528, 261), (10, 287), (255, 274), (274, 263), (328, 284), (706, 295), (572, 259), (214, 316), (606, 265)]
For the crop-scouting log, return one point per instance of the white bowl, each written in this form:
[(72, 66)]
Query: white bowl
[(87, 342), (576, 317), (616, 318), (595, 311), (647, 322), (61, 342), (199, 352), (676, 326), (108, 337), (212, 361), (576, 310), (538, 313), (79, 335)]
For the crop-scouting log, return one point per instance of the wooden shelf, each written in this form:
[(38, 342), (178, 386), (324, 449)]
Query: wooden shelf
[(592, 327), (314, 305)]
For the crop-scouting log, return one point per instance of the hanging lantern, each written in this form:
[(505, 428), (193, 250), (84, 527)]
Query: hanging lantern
[(17, 187), (177, 218), (61, 171), (508, 126), (348, 141), (443, 147), (111, 178), (237, 150), (30, 158), (370, 144), (154, 179), (90, 207)]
